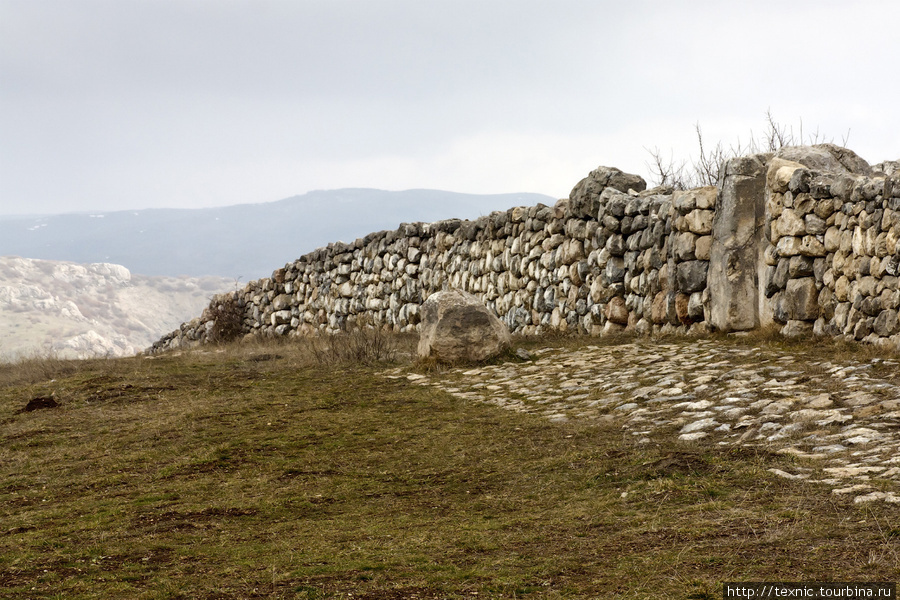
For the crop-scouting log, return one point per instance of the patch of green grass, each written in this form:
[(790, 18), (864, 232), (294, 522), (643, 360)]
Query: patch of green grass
[(252, 471)]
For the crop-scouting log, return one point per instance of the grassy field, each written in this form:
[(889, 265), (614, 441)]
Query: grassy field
[(277, 471)]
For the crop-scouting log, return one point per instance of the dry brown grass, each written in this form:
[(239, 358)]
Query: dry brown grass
[(259, 471)]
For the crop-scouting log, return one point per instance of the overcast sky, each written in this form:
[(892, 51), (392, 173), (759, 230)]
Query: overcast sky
[(128, 104)]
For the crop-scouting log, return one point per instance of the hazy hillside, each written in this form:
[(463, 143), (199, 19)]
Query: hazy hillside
[(87, 310), (246, 241)]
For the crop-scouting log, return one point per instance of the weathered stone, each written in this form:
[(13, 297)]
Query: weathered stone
[(788, 224), (585, 197), (832, 239), (681, 308), (819, 269), (824, 208), (346, 289), (783, 272), (770, 282), (815, 225), (702, 247), (804, 204), (779, 173), (658, 313), (737, 245), (703, 198), (811, 246), (824, 228), (615, 245), (684, 201), (457, 327), (827, 302), (684, 246), (797, 329), (789, 246), (281, 302), (842, 288), (616, 311), (801, 299), (691, 276), (571, 250), (826, 157), (280, 317), (696, 309), (886, 324), (799, 266), (799, 182), (820, 187), (699, 221), (779, 308), (615, 269)]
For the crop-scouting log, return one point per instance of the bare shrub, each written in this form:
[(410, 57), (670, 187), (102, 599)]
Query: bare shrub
[(705, 170), (227, 315), (362, 345), (47, 366)]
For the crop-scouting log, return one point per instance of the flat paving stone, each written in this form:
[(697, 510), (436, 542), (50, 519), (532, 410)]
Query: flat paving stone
[(838, 414)]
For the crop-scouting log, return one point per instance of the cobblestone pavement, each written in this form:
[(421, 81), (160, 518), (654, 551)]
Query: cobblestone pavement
[(842, 415)]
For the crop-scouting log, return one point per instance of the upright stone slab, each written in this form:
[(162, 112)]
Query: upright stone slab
[(736, 266)]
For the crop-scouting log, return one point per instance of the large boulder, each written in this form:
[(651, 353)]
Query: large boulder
[(584, 200), (826, 157), (457, 327)]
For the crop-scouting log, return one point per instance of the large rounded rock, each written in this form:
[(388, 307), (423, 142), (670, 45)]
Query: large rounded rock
[(826, 157), (584, 200), (457, 327)]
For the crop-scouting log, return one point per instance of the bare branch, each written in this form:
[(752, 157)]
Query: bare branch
[(846, 138), (710, 163), (706, 169), (666, 173), (777, 136)]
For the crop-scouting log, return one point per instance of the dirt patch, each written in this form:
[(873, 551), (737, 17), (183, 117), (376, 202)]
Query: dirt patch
[(402, 594), (264, 357), (15, 530), (126, 392), (40, 403), (174, 520), (682, 464)]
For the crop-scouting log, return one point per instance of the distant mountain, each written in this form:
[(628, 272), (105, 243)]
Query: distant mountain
[(81, 311), (241, 242)]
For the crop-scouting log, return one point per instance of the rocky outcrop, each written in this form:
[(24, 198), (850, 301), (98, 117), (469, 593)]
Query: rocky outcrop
[(456, 327), (86, 310)]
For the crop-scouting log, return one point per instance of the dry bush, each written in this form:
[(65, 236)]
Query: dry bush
[(227, 315), (41, 368), (35, 369), (365, 346), (705, 169), (361, 346)]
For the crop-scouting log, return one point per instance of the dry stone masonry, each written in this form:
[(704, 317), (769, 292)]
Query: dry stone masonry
[(806, 238)]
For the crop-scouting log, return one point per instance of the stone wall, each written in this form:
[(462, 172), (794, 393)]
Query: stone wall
[(805, 238), (832, 262)]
